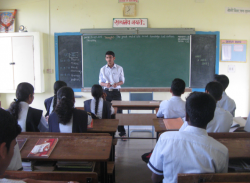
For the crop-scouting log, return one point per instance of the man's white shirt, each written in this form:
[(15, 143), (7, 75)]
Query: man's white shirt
[(189, 151), (111, 75), (173, 108)]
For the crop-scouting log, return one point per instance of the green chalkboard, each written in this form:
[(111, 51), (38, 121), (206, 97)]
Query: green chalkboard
[(147, 60)]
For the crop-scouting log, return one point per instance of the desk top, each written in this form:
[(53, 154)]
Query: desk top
[(136, 119), (104, 126), (138, 105), (72, 147), (160, 126)]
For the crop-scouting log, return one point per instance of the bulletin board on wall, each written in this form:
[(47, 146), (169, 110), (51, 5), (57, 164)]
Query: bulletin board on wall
[(233, 50)]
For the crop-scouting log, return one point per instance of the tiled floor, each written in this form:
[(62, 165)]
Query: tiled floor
[(129, 166)]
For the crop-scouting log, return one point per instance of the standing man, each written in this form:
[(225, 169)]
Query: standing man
[(111, 77)]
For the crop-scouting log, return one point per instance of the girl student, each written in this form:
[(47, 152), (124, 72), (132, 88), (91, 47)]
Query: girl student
[(66, 118), (98, 106), (50, 103), (30, 119)]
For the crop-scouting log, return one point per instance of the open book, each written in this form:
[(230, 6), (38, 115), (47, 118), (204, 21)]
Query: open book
[(237, 122)]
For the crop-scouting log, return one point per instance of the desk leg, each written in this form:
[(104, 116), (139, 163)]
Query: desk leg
[(104, 176), (157, 136)]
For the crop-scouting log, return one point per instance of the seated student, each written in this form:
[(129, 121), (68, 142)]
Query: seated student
[(30, 119), (226, 102), (50, 103), (101, 108), (9, 129), (222, 120), (191, 150), (65, 118), (175, 107)]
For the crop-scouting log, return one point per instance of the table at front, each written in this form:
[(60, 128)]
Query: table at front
[(135, 105), (72, 147)]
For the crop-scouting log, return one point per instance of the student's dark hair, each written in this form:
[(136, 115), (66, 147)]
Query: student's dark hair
[(65, 107), (96, 92), (215, 89), (57, 86), (110, 53), (222, 79), (9, 128), (178, 86), (23, 91), (200, 108)]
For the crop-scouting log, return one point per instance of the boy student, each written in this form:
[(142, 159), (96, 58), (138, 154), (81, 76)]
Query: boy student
[(191, 150), (226, 102), (222, 120), (175, 107)]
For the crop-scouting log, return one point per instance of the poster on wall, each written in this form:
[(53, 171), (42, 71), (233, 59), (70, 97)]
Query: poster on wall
[(7, 20), (233, 50)]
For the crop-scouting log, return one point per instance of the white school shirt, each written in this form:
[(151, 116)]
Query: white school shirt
[(16, 161), (100, 107), (221, 122), (227, 103), (111, 75), (173, 108), (22, 116), (189, 151), (67, 128), (51, 106)]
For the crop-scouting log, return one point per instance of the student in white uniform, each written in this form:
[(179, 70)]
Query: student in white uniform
[(50, 103), (98, 106), (222, 120), (226, 102), (66, 118), (30, 119), (192, 150), (175, 107)]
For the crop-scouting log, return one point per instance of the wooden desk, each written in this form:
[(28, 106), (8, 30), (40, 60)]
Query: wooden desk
[(82, 177), (135, 105), (238, 144), (136, 119), (214, 177), (104, 126), (160, 127), (73, 147)]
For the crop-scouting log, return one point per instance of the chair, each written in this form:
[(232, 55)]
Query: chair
[(141, 97)]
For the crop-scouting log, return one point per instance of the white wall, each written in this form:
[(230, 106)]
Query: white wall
[(50, 16)]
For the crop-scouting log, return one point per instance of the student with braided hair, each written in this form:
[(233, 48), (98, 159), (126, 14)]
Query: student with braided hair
[(66, 118), (98, 106), (30, 119), (50, 103)]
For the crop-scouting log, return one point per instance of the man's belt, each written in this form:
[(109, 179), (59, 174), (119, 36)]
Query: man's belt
[(111, 89)]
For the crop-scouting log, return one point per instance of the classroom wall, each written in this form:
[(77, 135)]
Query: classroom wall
[(50, 16)]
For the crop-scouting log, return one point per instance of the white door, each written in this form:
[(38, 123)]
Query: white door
[(23, 56), (6, 69)]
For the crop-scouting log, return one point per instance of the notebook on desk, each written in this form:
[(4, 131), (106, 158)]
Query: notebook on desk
[(238, 122), (247, 126)]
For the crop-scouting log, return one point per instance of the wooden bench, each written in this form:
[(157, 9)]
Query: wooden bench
[(82, 177), (214, 177)]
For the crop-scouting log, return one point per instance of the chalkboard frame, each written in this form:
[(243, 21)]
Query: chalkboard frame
[(56, 35), (217, 33)]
